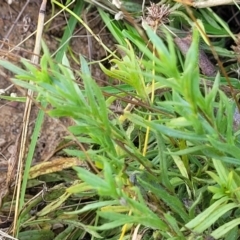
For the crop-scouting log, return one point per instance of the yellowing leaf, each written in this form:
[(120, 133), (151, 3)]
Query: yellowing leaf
[(55, 165)]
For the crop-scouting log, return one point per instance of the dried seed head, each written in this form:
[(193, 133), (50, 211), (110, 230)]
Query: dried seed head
[(157, 15)]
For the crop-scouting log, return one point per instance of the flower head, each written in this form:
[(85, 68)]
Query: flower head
[(157, 14)]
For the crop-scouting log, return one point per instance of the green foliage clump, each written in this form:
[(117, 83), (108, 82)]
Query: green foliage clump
[(168, 162)]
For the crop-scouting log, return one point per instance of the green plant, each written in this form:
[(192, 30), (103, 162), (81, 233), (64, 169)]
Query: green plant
[(168, 162)]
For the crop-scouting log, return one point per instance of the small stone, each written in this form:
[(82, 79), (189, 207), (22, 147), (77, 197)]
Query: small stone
[(11, 149), (2, 142), (13, 94)]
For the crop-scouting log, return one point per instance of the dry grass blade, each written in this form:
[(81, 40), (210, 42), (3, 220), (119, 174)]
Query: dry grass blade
[(207, 3), (27, 111), (6, 236), (210, 3), (10, 170)]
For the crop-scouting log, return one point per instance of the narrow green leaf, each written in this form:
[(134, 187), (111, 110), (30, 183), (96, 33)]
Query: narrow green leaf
[(155, 126), (173, 224), (172, 201), (93, 206), (203, 218), (13, 68), (90, 178), (113, 27), (117, 219), (36, 235), (215, 215), (71, 23)]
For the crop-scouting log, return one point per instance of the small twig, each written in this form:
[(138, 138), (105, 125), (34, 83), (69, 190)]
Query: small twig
[(89, 39), (5, 235)]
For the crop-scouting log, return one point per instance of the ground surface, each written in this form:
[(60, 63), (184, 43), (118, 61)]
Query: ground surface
[(11, 113)]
